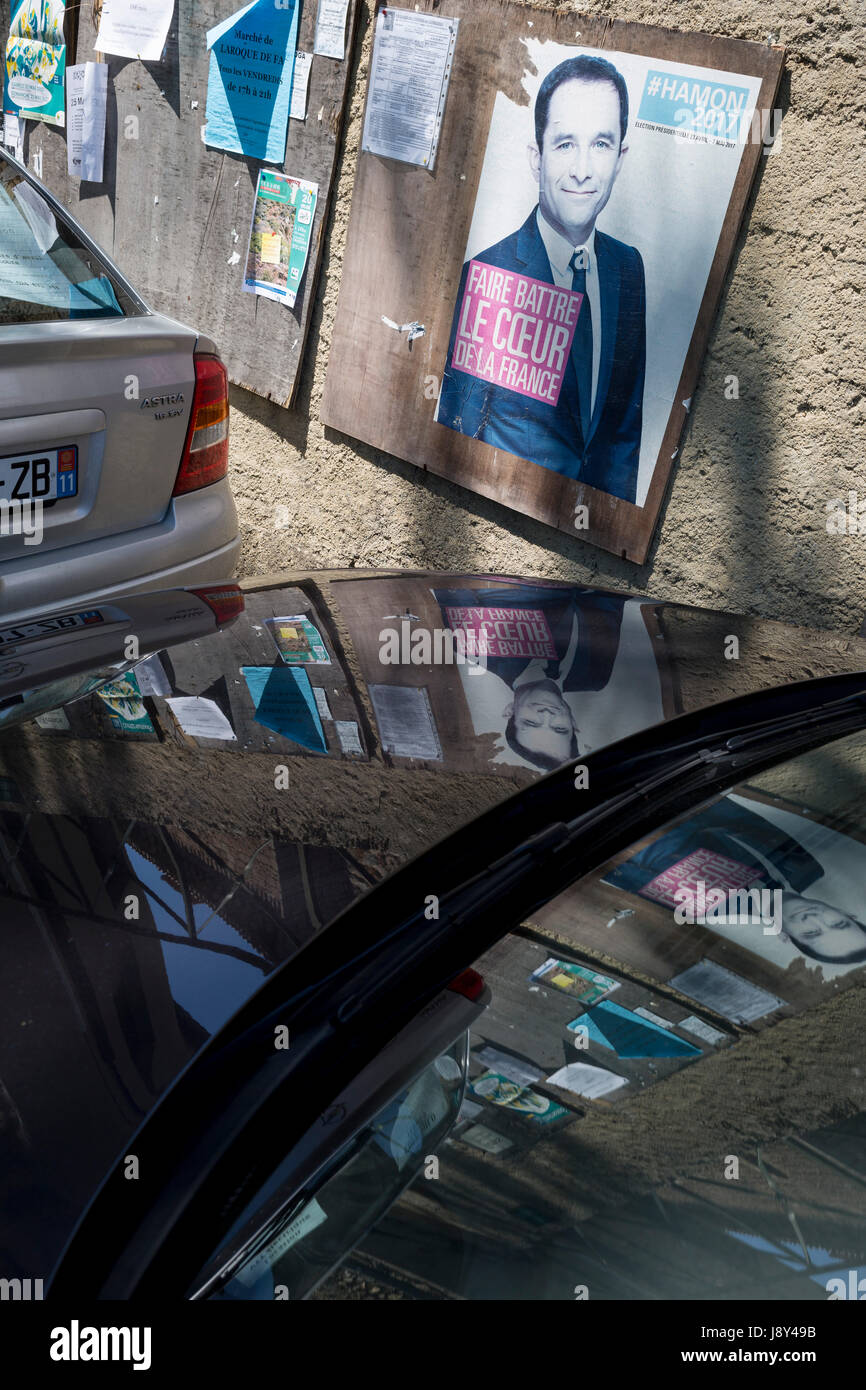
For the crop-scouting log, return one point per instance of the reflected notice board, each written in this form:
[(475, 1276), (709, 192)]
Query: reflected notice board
[(527, 314)]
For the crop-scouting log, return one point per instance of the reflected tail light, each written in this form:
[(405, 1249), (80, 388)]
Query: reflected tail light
[(206, 451), (468, 983), (225, 600)]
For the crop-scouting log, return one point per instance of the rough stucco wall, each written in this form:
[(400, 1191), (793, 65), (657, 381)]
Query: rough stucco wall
[(744, 527)]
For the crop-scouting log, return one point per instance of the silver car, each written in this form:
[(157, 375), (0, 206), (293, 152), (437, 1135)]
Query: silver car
[(113, 424)]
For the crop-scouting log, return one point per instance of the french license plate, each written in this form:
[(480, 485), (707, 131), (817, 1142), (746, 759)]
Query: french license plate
[(42, 627), (44, 476)]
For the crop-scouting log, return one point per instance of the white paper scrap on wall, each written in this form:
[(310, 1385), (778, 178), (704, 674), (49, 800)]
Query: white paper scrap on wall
[(134, 28), (300, 82), (347, 733), (331, 28), (86, 98)]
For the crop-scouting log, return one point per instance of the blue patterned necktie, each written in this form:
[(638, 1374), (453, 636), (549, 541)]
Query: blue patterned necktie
[(581, 347)]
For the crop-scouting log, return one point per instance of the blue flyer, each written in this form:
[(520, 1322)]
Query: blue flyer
[(284, 702), (252, 59)]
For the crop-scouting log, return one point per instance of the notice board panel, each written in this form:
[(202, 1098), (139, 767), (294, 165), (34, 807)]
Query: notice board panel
[(601, 657), (173, 213), (565, 257)]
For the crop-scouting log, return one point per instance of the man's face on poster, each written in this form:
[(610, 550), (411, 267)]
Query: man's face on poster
[(832, 934), (580, 156), (543, 722)]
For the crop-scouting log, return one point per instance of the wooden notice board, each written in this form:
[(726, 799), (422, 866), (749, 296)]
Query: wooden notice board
[(464, 716), (674, 207), (172, 212)]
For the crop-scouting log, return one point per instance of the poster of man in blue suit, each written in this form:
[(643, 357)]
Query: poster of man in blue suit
[(547, 354)]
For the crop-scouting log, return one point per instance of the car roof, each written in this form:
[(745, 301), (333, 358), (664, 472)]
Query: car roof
[(159, 867)]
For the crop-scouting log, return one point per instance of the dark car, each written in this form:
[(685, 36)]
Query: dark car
[(465, 937)]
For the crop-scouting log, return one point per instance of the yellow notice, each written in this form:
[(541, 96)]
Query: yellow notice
[(270, 252)]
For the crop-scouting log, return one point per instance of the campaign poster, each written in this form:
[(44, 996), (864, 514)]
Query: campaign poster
[(780, 884), (558, 671), (36, 62), (597, 219)]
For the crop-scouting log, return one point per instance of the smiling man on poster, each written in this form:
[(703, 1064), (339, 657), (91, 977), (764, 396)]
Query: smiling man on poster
[(556, 375)]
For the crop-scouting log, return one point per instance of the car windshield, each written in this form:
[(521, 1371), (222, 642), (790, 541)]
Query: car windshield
[(46, 272), (666, 1096)]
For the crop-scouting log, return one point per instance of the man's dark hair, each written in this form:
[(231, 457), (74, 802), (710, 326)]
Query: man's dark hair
[(542, 760), (585, 69), (851, 958)]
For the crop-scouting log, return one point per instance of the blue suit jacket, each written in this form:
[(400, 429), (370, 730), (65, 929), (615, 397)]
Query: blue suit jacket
[(551, 435)]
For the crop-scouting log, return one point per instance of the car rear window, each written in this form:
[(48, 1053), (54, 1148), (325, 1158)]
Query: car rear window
[(46, 272)]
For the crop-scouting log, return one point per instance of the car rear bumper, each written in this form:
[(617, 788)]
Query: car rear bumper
[(197, 540)]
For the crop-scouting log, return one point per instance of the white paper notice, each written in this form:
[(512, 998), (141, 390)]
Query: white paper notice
[(134, 28), (480, 1137), (13, 135), (729, 994), (321, 700), (311, 1216), (523, 1073), (86, 93), (701, 1030), (331, 28), (412, 56), (300, 81), (405, 721), (347, 733), (654, 1018), (53, 719), (151, 677), (200, 717), (585, 1080)]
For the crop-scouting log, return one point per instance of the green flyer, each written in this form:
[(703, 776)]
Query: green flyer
[(36, 62), (279, 236), (298, 641), (500, 1090), (586, 985), (126, 710)]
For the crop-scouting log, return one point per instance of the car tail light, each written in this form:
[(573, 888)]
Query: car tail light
[(206, 451), (468, 983), (226, 601)]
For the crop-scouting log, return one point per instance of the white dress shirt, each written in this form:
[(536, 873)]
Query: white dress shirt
[(559, 253)]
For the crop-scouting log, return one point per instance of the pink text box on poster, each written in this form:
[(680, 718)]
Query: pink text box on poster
[(503, 631), (515, 331), (701, 866)]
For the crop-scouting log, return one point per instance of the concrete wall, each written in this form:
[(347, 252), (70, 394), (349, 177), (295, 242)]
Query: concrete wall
[(744, 526)]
